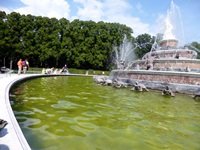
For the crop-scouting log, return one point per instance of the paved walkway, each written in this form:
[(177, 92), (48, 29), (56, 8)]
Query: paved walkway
[(11, 137)]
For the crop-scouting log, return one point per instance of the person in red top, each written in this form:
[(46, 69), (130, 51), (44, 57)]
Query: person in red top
[(19, 64)]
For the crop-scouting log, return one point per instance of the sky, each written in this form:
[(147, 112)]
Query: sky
[(143, 16)]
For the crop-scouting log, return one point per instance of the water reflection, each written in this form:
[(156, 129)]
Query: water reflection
[(75, 113)]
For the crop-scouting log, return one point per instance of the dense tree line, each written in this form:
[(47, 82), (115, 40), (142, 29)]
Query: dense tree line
[(48, 42)]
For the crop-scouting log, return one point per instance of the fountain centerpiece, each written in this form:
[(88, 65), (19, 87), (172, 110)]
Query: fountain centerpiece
[(169, 40), (174, 66)]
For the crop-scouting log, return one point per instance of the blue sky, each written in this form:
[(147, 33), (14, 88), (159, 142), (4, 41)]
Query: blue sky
[(143, 16)]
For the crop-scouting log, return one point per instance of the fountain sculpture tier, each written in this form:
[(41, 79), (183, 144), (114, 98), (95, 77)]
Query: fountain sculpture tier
[(173, 66), (177, 68)]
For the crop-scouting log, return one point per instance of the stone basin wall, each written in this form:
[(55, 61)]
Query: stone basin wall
[(178, 81), (179, 65)]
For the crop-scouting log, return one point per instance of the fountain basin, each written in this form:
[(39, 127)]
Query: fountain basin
[(180, 82), (80, 114)]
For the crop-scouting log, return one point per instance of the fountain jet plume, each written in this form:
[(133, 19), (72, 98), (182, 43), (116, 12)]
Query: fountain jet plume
[(125, 54)]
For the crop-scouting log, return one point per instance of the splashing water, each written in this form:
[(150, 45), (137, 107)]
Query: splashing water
[(173, 25), (168, 32), (124, 54)]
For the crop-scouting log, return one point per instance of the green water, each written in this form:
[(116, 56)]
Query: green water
[(74, 113)]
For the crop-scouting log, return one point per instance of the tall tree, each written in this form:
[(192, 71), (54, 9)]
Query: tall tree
[(12, 33), (3, 38)]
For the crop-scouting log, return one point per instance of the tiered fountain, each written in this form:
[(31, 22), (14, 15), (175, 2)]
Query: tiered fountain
[(174, 66)]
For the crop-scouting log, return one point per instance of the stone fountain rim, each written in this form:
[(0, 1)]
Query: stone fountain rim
[(159, 85), (171, 60), (171, 50), (174, 73)]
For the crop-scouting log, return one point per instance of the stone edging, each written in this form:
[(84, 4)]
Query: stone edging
[(11, 137)]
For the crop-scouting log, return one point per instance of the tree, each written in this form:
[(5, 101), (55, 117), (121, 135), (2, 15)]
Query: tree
[(48, 42), (12, 36), (196, 47), (144, 43), (3, 39)]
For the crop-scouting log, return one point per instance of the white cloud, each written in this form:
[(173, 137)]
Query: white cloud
[(48, 8), (110, 11), (116, 7), (90, 10), (7, 10), (135, 23), (139, 8)]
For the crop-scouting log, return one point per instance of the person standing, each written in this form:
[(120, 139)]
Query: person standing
[(19, 64), (25, 66)]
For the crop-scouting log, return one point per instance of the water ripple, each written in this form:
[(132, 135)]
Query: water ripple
[(66, 104)]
